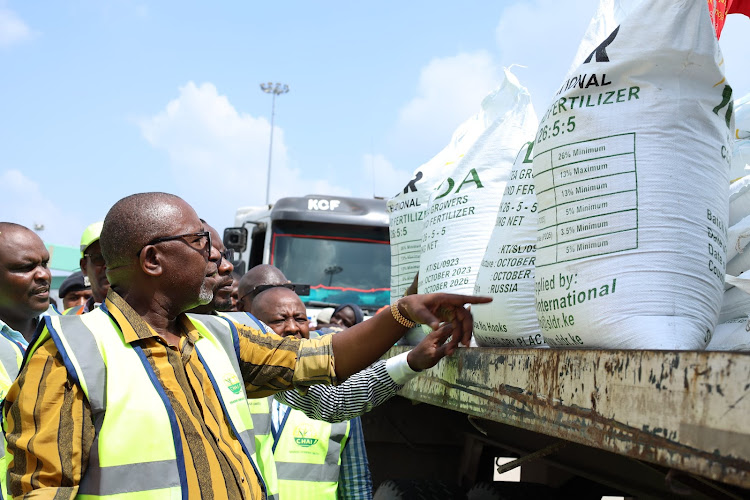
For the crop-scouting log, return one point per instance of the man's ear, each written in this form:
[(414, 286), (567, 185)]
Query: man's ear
[(82, 263), (151, 261)]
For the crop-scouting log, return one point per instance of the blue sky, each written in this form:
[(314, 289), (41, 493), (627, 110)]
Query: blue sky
[(103, 98)]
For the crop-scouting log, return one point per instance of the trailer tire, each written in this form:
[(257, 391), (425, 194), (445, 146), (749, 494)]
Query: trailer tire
[(503, 490), (418, 489)]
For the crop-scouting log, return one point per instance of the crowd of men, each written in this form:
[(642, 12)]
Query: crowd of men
[(168, 376)]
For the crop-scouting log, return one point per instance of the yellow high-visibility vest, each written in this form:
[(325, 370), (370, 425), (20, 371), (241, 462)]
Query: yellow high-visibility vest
[(307, 453), (260, 409), (137, 449), (11, 357)]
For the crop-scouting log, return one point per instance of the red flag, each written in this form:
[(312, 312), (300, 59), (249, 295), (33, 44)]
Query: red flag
[(719, 9)]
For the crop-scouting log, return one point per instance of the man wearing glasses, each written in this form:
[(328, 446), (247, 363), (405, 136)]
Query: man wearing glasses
[(260, 278), (223, 284), (142, 400)]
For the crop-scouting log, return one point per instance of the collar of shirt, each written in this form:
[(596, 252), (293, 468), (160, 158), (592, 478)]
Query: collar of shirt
[(16, 336), (12, 335), (134, 327), (90, 305)]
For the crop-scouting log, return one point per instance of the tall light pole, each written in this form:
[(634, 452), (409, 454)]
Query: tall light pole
[(274, 90)]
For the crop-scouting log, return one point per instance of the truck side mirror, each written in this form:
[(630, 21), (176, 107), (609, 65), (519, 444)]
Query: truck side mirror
[(235, 238)]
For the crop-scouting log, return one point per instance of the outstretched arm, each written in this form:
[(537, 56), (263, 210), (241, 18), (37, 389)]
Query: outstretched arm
[(365, 342), (370, 387)]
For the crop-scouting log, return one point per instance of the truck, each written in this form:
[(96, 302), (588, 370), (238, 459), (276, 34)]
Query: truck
[(339, 246), (576, 423), (579, 424)]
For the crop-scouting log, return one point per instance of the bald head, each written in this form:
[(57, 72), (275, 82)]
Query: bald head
[(11, 228), (14, 237), (283, 311), (262, 274), (158, 254), (135, 220)]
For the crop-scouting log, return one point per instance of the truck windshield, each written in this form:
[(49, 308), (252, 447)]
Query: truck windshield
[(340, 263)]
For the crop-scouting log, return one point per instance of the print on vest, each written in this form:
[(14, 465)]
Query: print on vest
[(304, 436), (233, 383)]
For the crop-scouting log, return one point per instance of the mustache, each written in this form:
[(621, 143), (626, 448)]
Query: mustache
[(224, 282)]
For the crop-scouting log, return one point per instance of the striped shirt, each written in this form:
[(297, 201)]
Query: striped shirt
[(359, 394), (51, 448), (355, 481)]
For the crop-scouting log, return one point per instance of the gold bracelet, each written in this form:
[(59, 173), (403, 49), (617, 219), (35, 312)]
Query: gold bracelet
[(400, 319)]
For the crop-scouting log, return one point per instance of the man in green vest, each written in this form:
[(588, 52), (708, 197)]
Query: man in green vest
[(314, 458), (149, 403)]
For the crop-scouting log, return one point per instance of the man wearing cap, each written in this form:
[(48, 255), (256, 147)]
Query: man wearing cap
[(93, 268), (74, 291)]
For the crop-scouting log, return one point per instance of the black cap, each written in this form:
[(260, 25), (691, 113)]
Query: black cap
[(73, 283)]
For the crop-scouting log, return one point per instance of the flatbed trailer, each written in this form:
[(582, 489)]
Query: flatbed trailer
[(644, 424)]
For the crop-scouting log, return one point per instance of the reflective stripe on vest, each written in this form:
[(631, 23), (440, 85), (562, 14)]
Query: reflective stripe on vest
[(75, 310), (137, 449), (11, 357), (230, 386), (245, 318), (308, 457), (260, 410)]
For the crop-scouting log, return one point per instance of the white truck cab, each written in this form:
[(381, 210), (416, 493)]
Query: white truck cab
[(339, 246)]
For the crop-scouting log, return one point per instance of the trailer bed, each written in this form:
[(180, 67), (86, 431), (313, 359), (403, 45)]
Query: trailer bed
[(683, 410)]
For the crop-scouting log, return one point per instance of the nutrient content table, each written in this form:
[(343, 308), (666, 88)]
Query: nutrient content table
[(589, 194)]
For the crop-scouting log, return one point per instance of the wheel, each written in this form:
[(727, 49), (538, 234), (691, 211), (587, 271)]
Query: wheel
[(423, 489)]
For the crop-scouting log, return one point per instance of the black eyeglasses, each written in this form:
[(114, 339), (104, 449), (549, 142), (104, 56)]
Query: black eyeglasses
[(95, 258), (202, 244), (227, 255)]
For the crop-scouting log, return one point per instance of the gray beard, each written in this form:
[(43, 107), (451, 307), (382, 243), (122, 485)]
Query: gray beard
[(206, 295)]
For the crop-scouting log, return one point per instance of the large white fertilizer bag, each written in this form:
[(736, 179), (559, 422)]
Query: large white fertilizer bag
[(731, 336), (408, 208), (735, 302), (739, 198), (631, 167), (734, 334), (463, 208), (506, 272)]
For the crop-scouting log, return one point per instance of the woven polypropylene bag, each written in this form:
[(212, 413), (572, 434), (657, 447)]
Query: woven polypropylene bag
[(631, 167)]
